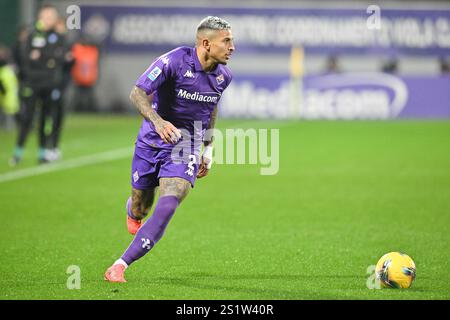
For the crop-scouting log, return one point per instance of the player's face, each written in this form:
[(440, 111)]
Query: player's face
[(49, 18), (221, 46)]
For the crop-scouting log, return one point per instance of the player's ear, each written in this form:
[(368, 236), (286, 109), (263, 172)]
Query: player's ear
[(206, 44)]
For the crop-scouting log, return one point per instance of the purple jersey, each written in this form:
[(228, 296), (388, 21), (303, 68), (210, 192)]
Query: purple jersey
[(182, 93)]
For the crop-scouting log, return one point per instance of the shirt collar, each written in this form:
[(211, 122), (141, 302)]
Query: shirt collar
[(197, 64)]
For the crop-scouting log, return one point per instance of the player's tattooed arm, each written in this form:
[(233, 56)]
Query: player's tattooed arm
[(143, 104), (209, 137), (167, 131)]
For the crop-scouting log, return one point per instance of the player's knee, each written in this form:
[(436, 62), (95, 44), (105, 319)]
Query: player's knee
[(175, 187), (180, 193), (183, 193)]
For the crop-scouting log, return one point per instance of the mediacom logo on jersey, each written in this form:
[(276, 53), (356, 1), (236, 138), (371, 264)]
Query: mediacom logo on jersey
[(196, 96)]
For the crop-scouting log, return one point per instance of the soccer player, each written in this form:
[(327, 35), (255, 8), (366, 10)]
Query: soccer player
[(179, 90)]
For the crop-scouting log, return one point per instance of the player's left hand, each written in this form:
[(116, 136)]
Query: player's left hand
[(202, 171), (205, 163)]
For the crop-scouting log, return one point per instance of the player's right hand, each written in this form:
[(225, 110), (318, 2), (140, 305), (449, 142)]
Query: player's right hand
[(168, 132)]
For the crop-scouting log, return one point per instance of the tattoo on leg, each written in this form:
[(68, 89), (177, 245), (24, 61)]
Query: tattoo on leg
[(148, 199), (142, 201)]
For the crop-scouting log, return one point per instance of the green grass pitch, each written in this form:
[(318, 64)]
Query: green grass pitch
[(346, 193)]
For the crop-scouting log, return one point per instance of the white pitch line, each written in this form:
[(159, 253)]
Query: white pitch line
[(67, 164)]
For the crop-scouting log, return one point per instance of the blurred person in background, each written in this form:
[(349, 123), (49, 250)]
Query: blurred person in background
[(53, 152), (85, 74), (9, 88), (41, 60)]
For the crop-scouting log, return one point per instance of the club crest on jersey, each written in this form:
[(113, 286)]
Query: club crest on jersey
[(154, 73), (135, 176), (220, 79), (188, 74)]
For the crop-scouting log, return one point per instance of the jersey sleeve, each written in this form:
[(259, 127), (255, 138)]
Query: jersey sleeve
[(156, 75)]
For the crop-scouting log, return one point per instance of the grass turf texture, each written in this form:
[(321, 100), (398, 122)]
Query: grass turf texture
[(346, 193)]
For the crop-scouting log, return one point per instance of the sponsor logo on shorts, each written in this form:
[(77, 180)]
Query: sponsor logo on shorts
[(191, 168)]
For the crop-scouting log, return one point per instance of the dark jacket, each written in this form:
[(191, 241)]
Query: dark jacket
[(43, 59)]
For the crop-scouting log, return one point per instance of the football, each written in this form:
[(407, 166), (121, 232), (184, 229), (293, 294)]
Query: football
[(395, 270)]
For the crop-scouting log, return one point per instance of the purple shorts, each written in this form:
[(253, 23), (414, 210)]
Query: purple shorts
[(149, 164)]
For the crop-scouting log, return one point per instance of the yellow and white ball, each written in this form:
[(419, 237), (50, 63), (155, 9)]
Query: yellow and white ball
[(396, 270)]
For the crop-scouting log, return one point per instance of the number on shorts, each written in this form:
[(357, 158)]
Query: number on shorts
[(191, 168)]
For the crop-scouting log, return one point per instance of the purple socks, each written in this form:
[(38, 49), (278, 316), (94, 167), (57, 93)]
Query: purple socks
[(152, 230)]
